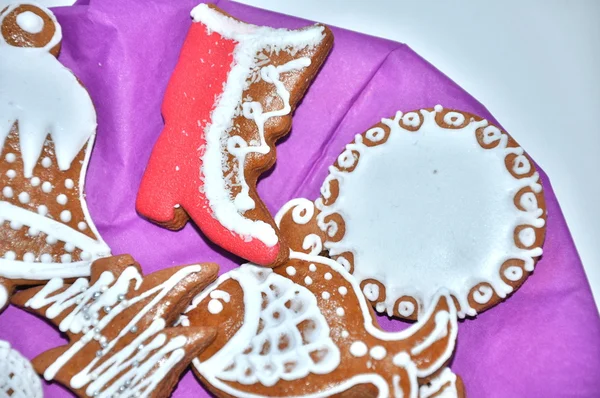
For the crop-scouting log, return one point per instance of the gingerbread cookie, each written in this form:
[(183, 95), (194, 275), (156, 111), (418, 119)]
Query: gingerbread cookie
[(427, 200), (229, 100), (305, 329), (17, 377), (46, 119), (120, 342)]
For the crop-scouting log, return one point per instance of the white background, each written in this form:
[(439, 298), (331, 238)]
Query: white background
[(534, 64)]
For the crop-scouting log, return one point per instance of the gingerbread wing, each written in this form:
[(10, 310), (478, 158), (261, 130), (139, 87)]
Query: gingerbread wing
[(120, 342), (47, 127), (229, 100)]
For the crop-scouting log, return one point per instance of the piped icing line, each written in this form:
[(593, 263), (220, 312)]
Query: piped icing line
[(303, 211), (108, 296), (424, 124), (442, 386), (256, 283), (44, 98), (251, 40), (400, 359)]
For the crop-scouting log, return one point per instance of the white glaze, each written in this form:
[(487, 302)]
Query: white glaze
[(251, 40), (462, 195), (30, 22)]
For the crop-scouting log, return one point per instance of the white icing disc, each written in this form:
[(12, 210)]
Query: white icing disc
[(429, 200)]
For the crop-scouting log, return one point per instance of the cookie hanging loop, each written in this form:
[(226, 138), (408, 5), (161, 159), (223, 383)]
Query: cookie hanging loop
[(30, 26)]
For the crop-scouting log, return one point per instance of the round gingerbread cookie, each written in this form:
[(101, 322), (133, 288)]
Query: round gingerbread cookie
[(433, 199)]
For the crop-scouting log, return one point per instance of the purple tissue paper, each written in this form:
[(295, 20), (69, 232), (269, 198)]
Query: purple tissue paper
[(542, 342)]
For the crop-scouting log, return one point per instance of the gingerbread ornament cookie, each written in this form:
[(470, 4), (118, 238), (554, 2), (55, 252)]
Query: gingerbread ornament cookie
[(17, 377), (120, 342), (47, 127), (304, 329), (229, 100), (427, 200)]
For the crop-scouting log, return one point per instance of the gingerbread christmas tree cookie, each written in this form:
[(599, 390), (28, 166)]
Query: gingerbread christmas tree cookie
[(426, 200), (47, 127), (229, 100), (118, 325)]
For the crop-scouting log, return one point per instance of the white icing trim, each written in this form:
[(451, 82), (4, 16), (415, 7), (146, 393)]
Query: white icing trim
[(435, 385), (45, 98), (251, 40), (497, 198)]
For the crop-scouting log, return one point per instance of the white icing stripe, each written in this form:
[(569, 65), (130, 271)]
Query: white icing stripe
[(53, 228), (434, 388), (44, 97), (13, 269), (86, 303), (251, 41)]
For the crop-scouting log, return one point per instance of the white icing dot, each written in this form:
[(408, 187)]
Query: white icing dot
[(483, 294), (10, 255), (65, 258), (16, 225), (345, 334), (7, 192), (380, 307), (29, 257), (371, 291), (82, 226), (438, 108), (10, 157), (46, 162), (42, 210), (358, 349), (527, 236), (406, 308), (308, 280), (215, 306), (85, 256), (291, 271), (46, 187), (33, 232), (378, 352), (11, 174), (30, 22), (340, 311), (454, 118), (513, 273), (411, 119), (312, 268), (46, 258), (62, 199), (69, 247), (328, 276), (325, 295), (24, 197), (343, 290), (69, 183), (51, 240), (35, 181), (65, 216)]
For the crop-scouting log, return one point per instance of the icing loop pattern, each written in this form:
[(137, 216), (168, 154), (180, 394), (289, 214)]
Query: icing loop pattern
[(433, 199)]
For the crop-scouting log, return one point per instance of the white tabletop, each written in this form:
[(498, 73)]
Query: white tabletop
[(533, 64)]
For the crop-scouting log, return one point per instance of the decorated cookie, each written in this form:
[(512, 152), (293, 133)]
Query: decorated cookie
[(427, 200), (444, 385), (304, 329), (120, 342), (17, 377), (47, 127), (229, 100)]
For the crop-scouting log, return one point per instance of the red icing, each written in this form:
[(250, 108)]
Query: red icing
[(172, 175)]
